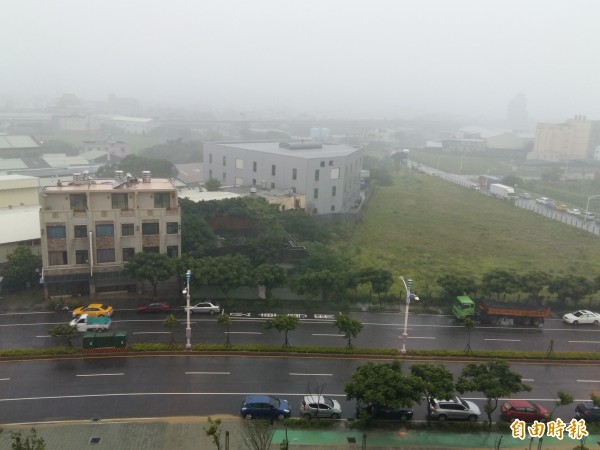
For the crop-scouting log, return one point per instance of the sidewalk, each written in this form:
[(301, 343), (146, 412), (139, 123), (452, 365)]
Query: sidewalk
[(188, 433)]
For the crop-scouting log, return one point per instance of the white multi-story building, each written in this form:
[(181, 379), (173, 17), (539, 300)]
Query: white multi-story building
[(328, 175), (90, 228)]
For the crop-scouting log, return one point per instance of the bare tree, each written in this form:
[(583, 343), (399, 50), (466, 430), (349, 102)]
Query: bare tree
[(258, 434), (316, 392)]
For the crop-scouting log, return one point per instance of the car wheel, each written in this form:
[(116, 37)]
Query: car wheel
[(280, 416), (576, 322), (335, 416), (596, 322), (211, 312), (248, 416), (307, 416), (442, 418), (403, 417), (472, 418)]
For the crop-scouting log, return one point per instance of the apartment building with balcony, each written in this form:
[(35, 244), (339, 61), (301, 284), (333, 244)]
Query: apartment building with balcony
[(91, 227), (327, 175)]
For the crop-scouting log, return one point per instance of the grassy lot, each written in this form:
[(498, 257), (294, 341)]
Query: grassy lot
[(424, 227)]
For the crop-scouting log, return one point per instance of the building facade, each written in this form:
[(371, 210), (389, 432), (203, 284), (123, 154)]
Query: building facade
[(327, 175), (577, 138), (91, 228)]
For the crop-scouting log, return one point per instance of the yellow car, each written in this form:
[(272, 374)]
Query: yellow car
[(94, 310)]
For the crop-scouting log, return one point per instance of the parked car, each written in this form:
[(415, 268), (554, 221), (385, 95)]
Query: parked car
[(320, 406), (574, 212), (154, 308), (582, 316), (387, 412), (94, 310), (588, 412), (205, 307), (454, 409), (265, 406), (523, 410)]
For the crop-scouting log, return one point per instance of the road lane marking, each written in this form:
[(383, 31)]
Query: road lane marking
[(333, 335), (584, 342), (208, 373), (4, 379), (151, 332), (46, 336), (420, 337), (530, 380), (243, 332), (505, 340), (101, 375), (312, 374), (588, 381)]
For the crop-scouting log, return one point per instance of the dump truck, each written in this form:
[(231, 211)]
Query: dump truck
[(86, 323), (500, 313)]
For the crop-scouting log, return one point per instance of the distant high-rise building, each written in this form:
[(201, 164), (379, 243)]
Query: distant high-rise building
[(516, 115), (577, 138)]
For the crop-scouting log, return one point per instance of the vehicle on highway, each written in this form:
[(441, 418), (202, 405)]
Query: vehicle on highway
[(582, 316), (386, 412), (588, 412), (525, 195), (454, 409), (94, 310), (265, 406), (205, 307), (587, 215), (523, 410), (86, 323), (153, 308), (561, 207), (542, 200), (574, 211), (320, 406), (500, 312)]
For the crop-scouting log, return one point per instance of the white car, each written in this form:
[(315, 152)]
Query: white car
[(320, 406), (582, 316), (204, 307), (574, 211), (542, 200), (587, 215)]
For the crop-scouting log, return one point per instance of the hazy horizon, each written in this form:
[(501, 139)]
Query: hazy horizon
[(378, 59)]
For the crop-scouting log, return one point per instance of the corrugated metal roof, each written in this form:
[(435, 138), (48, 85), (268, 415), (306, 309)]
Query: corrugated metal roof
[(11, 163), (21, 223), (61, 160), (327, 150), (16, 141)]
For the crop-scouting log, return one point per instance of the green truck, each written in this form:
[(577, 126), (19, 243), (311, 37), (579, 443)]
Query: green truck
[(500, 313)]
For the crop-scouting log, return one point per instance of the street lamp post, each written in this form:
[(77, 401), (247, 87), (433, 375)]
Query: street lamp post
[(587, 205), (188, 328), (407, 286)]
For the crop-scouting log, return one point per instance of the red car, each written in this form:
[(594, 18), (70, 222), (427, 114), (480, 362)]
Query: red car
[(154, 308), (523, 410)]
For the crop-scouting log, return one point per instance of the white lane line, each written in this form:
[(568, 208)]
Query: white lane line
[(4, 379), (243, 332), (530, 380), (504, 340), (47, 336), (311, 374), (151, 332), (333, 335), (584, 342), (101, 375), (420, 337), (588, 381), (208, 373)]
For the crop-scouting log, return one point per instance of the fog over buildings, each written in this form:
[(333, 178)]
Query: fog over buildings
[(332, 58)]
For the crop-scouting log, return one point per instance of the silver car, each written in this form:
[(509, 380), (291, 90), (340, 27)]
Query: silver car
[(319, 406), (455, 408), (205, 307)]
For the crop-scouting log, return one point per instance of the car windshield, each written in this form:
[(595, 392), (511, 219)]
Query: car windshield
[(328, 402), (578, 314), (464, 403)]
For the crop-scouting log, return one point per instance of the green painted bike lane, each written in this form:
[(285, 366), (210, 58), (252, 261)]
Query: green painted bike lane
[(421, 439)]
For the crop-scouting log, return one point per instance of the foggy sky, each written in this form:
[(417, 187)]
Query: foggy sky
[(342, 58)]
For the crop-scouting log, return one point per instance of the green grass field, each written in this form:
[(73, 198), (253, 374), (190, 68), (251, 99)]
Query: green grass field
[(424, 227)]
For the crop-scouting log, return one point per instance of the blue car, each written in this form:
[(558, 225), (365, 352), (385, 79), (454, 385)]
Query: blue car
[(265, 407)]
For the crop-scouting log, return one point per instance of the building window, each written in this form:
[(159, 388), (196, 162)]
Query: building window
[(224, 177), (172, 228), (239, 163), (333, 207), (162, 200), (128, 253), (334, 174), (333, 190), (254, 166), (150, 250), (127, 229), (149, 228), (331, 162), (239, 181), (173, 251), (322, 163), (224, 161), (210, 158), (80, 231), (316, 193), (209, 174), (56, 231), (78, 202), (273, 170), (81, 257), (272, 185), (120, 201), (317, 175), (105, 255), (294, 174), (105, 230), (253, 181), (58, 258)]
